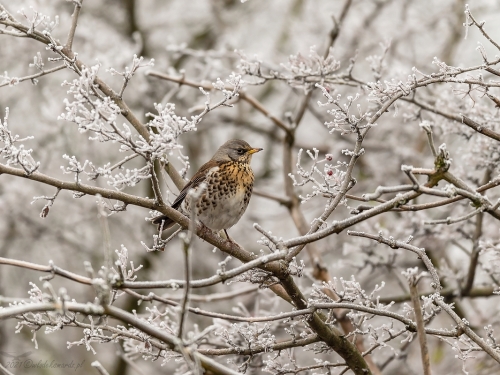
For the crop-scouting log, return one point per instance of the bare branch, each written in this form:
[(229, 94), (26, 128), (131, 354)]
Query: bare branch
[(404, 245), (74, 22), (424, 351), (464, 326)]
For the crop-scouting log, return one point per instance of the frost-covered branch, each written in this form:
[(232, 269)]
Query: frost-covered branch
[(15, 155)]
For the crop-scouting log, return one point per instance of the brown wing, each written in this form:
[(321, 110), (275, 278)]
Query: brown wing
[(195, 181)]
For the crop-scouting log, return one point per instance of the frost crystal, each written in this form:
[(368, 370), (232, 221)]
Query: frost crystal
[(15, 155)]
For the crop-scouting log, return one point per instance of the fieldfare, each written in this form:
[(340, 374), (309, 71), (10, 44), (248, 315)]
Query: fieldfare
[(227, 180)]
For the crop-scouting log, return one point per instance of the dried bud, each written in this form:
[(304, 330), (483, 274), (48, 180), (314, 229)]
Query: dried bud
[(45, 212)]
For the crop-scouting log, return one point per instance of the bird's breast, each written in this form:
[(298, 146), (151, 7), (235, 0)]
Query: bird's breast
[(227, 194)]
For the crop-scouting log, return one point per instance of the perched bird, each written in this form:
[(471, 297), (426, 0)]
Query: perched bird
[(227, 180)]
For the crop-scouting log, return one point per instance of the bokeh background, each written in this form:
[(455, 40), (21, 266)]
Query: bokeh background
[(199, 38)]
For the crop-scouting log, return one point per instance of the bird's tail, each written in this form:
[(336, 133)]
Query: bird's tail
[(167, 222)]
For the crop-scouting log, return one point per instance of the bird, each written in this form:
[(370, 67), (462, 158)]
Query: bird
[(226, 182)]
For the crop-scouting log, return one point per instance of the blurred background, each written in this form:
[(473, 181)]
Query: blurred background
[(198, 39)]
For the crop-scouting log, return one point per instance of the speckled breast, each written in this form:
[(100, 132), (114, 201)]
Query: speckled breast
[(227, 194)]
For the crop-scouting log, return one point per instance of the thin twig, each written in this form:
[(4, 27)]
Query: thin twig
[(480, 26), (97, 365), (487, 291), (464, 326), (281, 200), (36, 75), (4, 371), (214, 297), (156, 185), (74, 23), (49, 269), (424, 351), (216, 279), (302, 342), (198, 311), (474, 257), (87, 308), (344, 188), (450, 220), (404, 245), (458, 118), (69, 56), (106, 236), (242, 95), (187, 284)]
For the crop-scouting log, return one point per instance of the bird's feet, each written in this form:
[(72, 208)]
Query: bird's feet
[(227, 236)]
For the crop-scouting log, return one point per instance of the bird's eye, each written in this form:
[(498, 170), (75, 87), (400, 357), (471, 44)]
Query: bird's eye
[(240, 151)]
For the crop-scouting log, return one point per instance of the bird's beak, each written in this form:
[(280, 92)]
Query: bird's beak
[(254, 150)]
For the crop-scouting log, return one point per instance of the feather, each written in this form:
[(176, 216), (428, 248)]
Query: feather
[(195, 181)]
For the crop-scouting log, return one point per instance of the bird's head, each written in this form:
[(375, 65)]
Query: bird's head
[(235, 150)]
